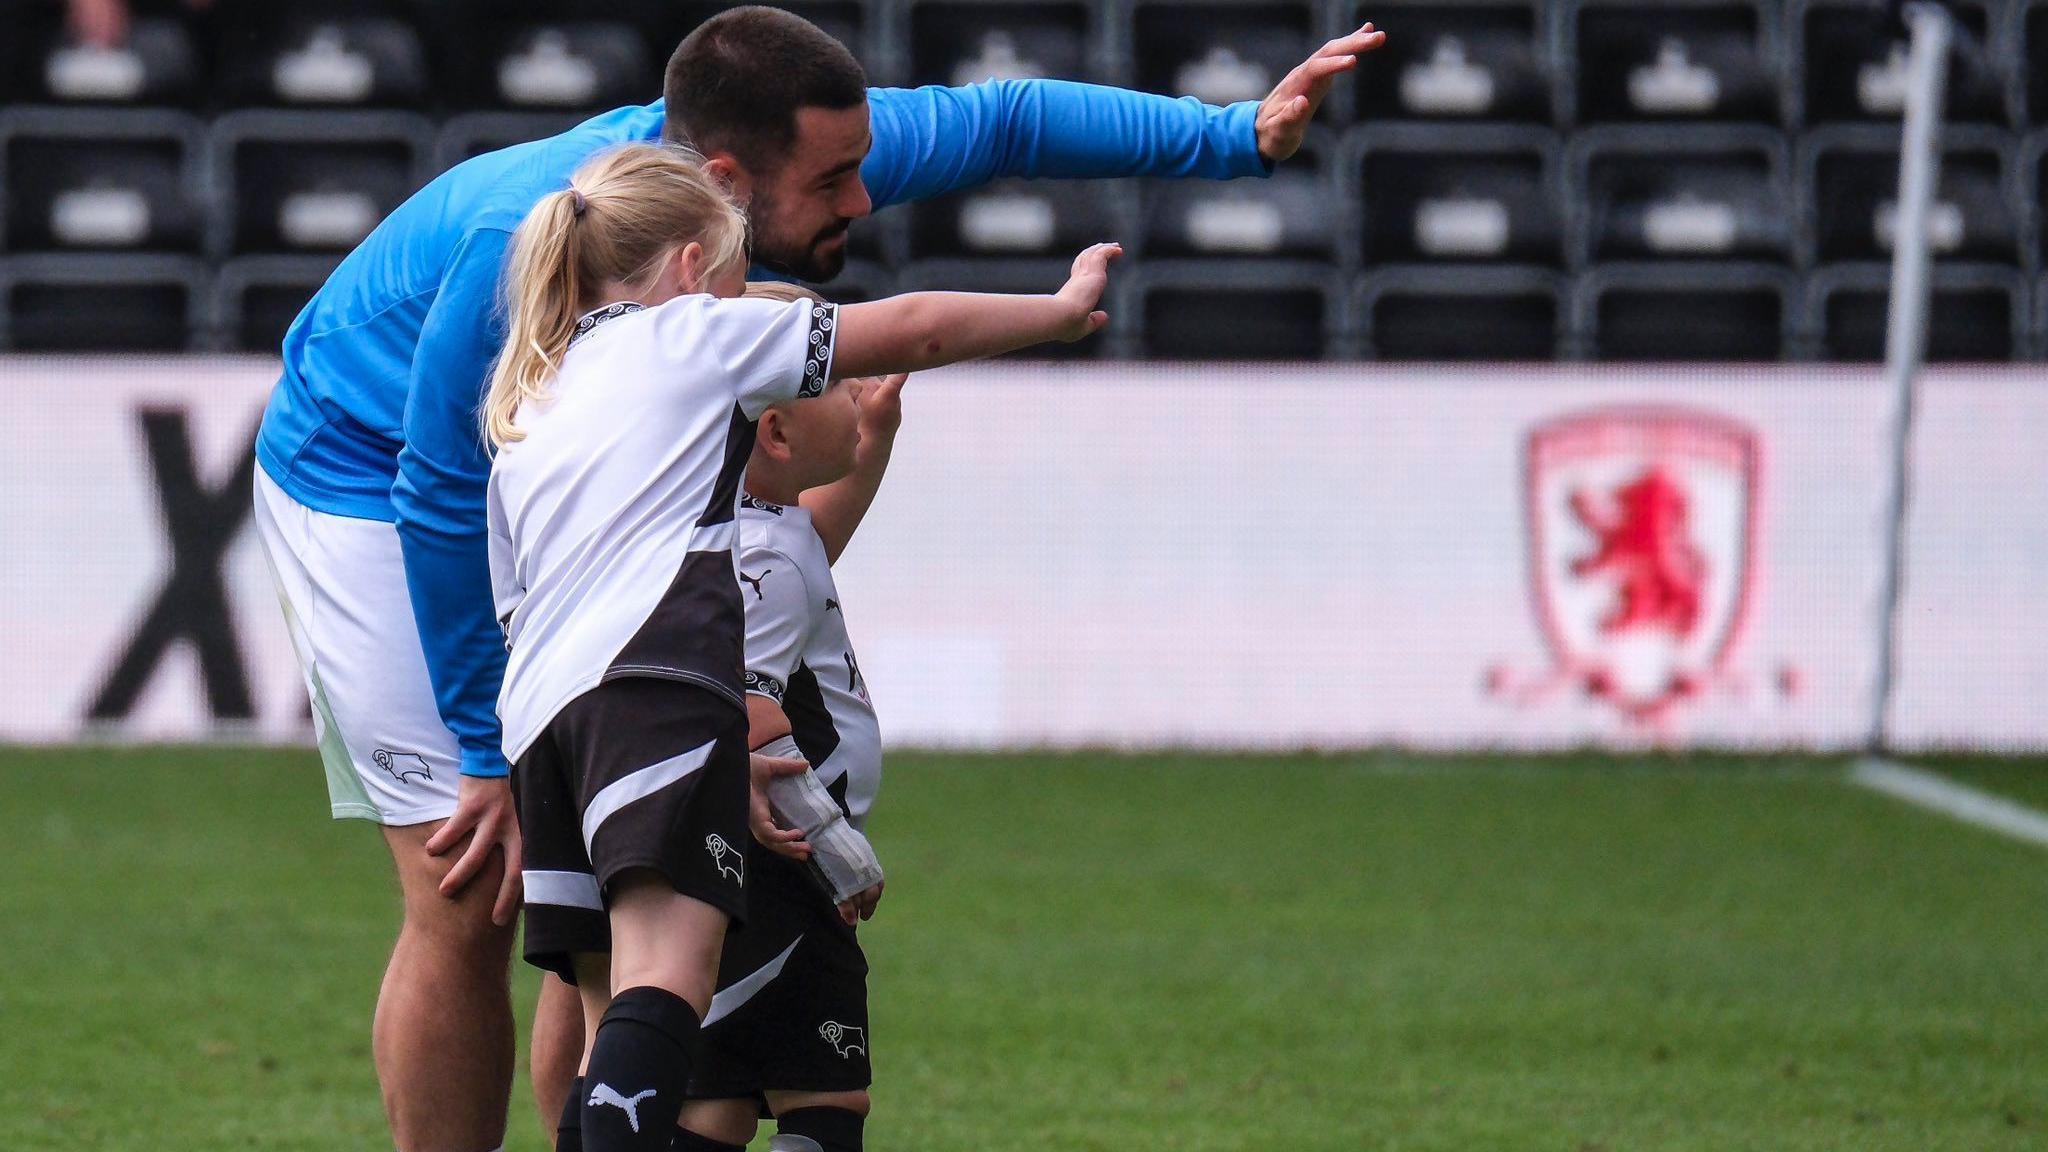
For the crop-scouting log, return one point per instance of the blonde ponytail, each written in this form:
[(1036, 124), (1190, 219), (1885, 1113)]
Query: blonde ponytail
[(623, 213)]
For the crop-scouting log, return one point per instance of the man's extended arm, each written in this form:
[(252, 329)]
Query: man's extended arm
[(443, 531), (931, 141)]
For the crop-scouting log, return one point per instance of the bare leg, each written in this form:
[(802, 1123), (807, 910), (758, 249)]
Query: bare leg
[(559, 1040), (443, 1032), (726, 1121), (664, 966)]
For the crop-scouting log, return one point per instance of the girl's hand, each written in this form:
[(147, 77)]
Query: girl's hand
[(1083, 291)]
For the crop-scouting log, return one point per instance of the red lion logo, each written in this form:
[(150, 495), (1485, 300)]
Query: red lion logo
[(1644, 544)]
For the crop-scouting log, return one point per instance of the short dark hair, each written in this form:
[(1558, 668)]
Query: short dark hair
[(735, 84)]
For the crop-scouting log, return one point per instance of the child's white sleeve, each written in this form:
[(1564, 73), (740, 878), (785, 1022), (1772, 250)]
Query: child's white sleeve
[(772, 350), (778, 619)]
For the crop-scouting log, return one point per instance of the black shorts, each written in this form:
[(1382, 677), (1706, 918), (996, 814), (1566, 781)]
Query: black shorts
[(791, 1012), (655, 772)]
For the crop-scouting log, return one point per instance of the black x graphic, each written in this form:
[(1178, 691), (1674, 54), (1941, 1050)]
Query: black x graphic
[(193, 604)]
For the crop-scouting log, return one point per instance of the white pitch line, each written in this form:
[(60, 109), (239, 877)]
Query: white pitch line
[(1940, 794)]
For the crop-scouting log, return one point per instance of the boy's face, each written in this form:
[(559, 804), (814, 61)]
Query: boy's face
[(824, 432)]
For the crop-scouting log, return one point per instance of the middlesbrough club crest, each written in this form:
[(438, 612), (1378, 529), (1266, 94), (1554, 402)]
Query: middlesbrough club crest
[(1642, 538)]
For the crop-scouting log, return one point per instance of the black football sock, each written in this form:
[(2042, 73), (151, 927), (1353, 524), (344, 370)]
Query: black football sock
[(639, 1067), (817, 1130), (688, 1141), (569, 1129)]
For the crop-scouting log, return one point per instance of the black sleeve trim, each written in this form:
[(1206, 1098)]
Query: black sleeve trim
[(818, 360)]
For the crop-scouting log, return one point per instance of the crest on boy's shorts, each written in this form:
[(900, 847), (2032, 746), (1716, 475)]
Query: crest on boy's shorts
[(1642, 544), (845, 1039)]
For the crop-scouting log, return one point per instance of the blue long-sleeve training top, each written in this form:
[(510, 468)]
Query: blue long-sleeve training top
[(375, 416)]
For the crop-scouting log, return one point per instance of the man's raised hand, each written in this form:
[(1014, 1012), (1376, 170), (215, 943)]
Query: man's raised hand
[(1285, 113)]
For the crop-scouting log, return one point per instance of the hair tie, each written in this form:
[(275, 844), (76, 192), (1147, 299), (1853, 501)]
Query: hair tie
[(576, 203)]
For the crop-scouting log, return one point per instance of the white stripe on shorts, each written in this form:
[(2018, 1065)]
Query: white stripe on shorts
[(638, 786), (566, 889), (739, 992)]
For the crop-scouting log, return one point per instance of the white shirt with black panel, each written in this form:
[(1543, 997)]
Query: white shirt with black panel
[(612, 522), (800, 656)]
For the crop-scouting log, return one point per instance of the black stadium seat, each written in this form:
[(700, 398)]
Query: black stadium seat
[(159, 64), (1434, 313), (1647, 312), (2032, 60), (1221, 52), (1431, 192), (1705, 192), (1975, 312), (969, 41), (108, 179), (1294, 213), (1457, 60), (104, 303), (1855, 60), (1852, 172), (305, 55), (1217, 310), (314, 181), (1676, 60), (1018, 218)]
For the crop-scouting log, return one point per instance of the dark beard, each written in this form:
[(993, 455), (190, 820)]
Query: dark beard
[(805, 263), (809, 265)]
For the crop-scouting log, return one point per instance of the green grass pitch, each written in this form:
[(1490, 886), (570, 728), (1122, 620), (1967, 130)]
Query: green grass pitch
[(1144, 953)]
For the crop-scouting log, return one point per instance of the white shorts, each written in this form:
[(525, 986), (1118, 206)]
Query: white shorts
[(341, 580)]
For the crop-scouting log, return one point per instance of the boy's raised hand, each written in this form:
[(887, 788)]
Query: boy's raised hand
[(881, 405), (1083, 291)]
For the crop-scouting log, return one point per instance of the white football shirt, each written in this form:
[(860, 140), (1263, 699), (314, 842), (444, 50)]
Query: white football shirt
[(798, 653), (612, 529)]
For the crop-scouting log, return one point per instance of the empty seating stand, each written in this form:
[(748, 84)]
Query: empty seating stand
[(1975, 313), (1576, 173), (1464, 60)]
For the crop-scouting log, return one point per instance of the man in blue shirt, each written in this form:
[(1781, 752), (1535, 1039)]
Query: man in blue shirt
[(370, 495)]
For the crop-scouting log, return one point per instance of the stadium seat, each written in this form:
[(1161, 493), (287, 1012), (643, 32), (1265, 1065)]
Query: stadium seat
[(2030, 52), (1458, 60), (322, 54), (503, 61), (1464, 192), (1436, 313), (1707, 192), (2034, 202), (1674, 60), (1019, 218), (159, 64), (104, 303), (90, 178), (1294, 213), (969, 41), (258, 297), (314, 181), (1852, 179), (475, 133), (1855, 63), (1647, 312), (1220, 52), (1975, 313), (1019, 275), (1237, 310)]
